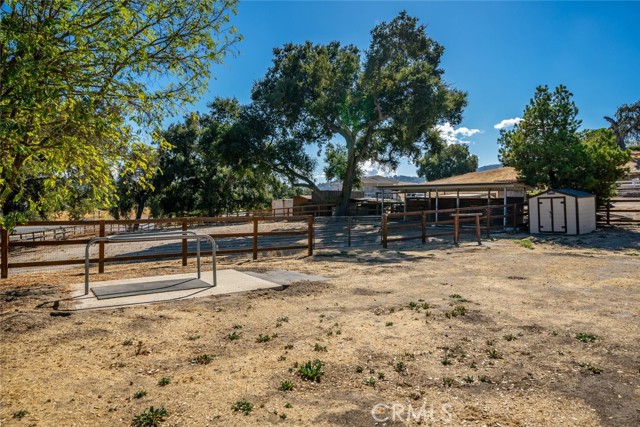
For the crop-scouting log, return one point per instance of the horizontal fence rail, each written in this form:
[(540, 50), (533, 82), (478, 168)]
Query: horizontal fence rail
[(404, 226), (235, 235), (624, 211)]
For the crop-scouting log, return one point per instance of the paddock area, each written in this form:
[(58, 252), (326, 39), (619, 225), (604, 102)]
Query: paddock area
[(521, 331)]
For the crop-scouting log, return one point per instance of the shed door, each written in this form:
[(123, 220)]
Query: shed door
[(552, 214)]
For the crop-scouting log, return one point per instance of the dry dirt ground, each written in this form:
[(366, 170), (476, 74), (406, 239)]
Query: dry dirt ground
[(388, 327)]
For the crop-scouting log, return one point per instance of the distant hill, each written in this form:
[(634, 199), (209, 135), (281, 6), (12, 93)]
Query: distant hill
[(406, 178), (489, 167)]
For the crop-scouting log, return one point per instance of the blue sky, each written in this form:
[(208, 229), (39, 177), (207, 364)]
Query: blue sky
[(496, 51)]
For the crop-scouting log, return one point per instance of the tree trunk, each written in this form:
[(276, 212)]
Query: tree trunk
[(347, 184), (615, 127)]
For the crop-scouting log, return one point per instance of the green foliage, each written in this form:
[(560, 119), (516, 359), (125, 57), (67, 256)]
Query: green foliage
[(151, 417), (139, 394), (286, 385), (525, 243), (243, 406), (626, 125), (19, 414), (548, 151), (196, 176), (164, 381), (384, 103), (311, 371), (451, 160), (77, 77), (584, 337)]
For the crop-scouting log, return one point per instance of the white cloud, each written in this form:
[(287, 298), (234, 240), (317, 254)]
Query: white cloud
[(507, 123), (452, 136), (372, 169)]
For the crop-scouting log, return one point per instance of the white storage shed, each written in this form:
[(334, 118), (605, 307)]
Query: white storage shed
[(564, 211)]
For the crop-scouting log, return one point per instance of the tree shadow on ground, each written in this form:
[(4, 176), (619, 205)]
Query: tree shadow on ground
[(612, 239)]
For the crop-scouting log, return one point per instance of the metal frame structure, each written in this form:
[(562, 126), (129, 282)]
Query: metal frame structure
[(151, 237)]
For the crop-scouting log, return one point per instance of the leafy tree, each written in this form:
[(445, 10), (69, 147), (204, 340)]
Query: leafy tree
[(545, 145), (195, 177), (548, 151), (626, 125), (257, 140), (383, 103), (134, 186), (454, 159), (604, 163), (76, 76)]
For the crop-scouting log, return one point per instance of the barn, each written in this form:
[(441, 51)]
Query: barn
[(563, 211)]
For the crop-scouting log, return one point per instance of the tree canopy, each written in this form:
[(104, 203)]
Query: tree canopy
[(79, 80), (451, 160), (383, 103), (548, 151), (626, 125)]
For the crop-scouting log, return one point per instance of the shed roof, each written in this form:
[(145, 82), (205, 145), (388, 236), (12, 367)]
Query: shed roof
[(567, 191)]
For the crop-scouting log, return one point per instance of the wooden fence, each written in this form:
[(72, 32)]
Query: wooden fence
[(184, 223), (511, 215), (616, 215)]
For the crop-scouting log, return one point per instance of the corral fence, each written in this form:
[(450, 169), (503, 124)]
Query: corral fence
[(233, 235), (623, 211), (21, 252), (403, 226)]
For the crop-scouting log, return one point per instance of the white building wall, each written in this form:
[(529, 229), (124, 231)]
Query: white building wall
[(533, 216), (587, 214)]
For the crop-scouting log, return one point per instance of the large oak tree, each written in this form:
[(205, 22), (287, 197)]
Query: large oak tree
[(382, 104)]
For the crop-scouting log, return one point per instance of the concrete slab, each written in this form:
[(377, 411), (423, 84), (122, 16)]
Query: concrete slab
[(229, 281), (284, 277), (151, 287)]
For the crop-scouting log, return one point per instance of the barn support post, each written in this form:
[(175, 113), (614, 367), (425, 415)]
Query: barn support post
[(504, 208), (424, 227), (456, 229), (458, 199), (436, 207)]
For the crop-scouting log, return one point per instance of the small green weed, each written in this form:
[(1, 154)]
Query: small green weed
[(139, 394), (164, 381), (237, 326), (447, 382), (388, 324), (127, 342), (468, 379), (493, 354), (202, 359), (19, 414), (193, 337), (263, 338), (483, 379), (370, 381), (400, 367), (311, 371), (286, 385), (510, 337), (243, 406), (525, 243), (381, 376), (319, 347), (151, 417), (288, 405), (586, 337), (234, 336), (359, 369)]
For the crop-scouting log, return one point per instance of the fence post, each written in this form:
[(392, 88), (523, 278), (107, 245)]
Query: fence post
[(255, 238), (184, 243), (101, 248), (424, 227), (608, 213), (478, 232), (384, 230), (488, 222), (349, 231), (515, 216), (456, 228), (5, 253), (310, 235)]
